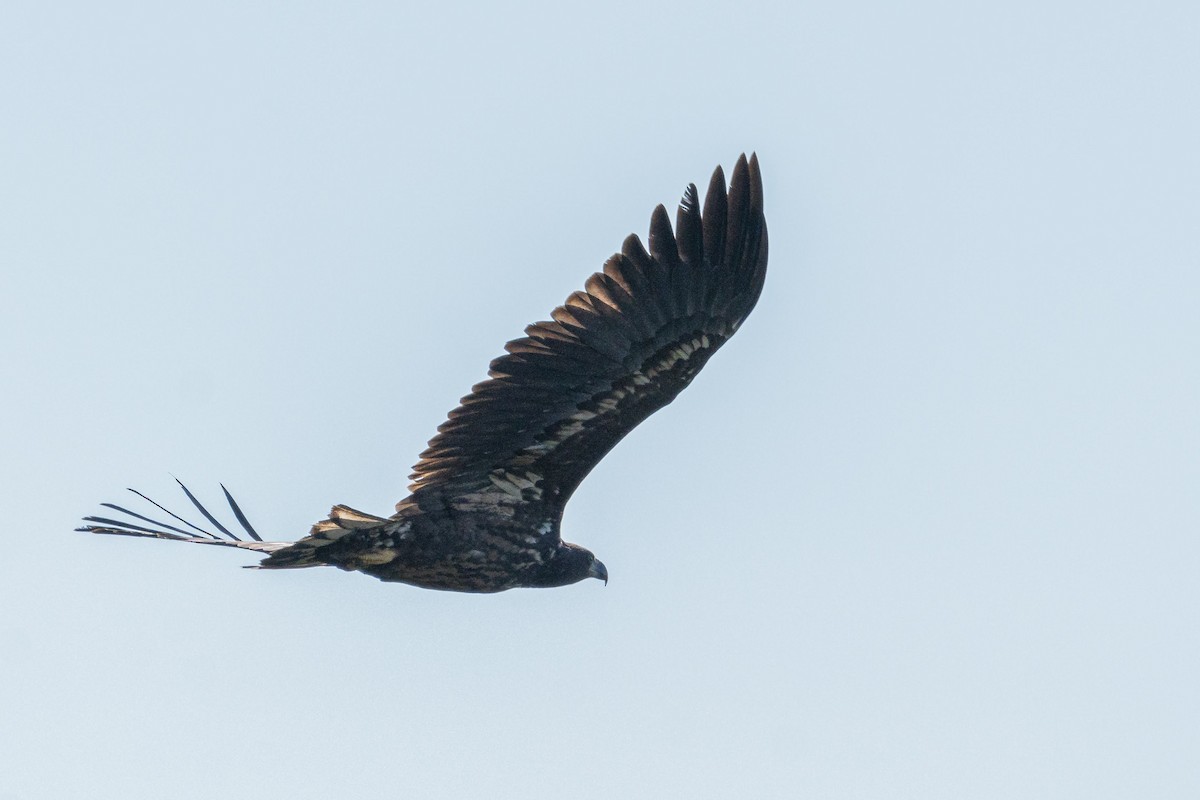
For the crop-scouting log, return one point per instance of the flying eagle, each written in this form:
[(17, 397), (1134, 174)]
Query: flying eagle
[(487, 496)]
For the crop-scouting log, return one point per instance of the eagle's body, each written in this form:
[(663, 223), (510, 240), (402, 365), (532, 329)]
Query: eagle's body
[(488, 494), (472, 551)]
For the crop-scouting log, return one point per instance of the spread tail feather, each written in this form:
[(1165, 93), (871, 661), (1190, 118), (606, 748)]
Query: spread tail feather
[(197, 535)]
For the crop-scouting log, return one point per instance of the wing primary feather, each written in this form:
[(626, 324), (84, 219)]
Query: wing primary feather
[(756, 185), (758, 260), (662, 240), (665, 252), (689, 274), (689, 232), (633, 250), (715, 207), (739, 217)]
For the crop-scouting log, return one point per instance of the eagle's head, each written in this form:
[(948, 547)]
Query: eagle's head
[(570, 564)]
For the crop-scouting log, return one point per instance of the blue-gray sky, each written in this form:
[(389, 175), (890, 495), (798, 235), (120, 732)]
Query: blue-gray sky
[(927, 527)]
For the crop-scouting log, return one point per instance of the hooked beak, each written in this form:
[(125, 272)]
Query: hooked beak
[(598, 570)]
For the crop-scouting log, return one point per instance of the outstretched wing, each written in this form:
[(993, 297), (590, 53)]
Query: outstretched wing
[(613, 354)]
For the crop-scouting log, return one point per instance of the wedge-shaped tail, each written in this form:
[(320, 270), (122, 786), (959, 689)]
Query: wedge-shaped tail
[(196, 534)]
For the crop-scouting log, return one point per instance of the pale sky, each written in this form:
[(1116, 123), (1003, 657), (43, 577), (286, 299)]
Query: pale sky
[(926, 528)]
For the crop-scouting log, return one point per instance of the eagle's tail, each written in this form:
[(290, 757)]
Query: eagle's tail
[(315, 549), (197, 535)]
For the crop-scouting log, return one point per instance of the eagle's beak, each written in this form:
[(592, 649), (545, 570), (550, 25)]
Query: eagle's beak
[(598, 570)]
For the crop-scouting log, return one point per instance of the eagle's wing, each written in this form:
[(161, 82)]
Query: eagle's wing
[(568, 391)]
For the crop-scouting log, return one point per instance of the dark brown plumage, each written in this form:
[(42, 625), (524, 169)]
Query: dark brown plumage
[(487, 496)]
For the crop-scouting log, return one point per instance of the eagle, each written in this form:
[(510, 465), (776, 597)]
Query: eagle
[(487, 497)]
